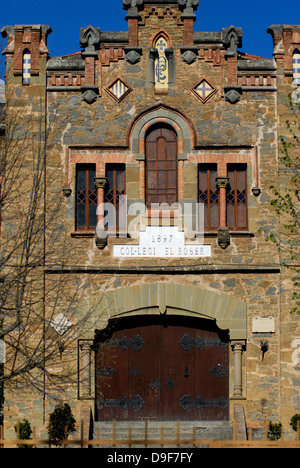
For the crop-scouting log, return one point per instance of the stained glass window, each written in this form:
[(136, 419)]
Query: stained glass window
[(161, 64), (26, 67), (296, 68)]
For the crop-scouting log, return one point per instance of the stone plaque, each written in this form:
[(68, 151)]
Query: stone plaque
[(162, 242), (263, 325)]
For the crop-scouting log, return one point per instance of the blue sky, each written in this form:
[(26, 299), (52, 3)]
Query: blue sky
[(66, 18)]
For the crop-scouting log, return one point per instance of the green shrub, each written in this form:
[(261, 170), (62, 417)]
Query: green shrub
[(24, 431), (62, 423), (294, 421), (274, 432)]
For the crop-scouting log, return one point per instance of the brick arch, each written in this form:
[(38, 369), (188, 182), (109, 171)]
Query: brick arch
[(163, 34), (162, 114), (228, 312)]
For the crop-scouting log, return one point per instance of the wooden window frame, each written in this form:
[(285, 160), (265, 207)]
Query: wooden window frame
[(234, 192), (88, 168), (158, 193), (208, 167), (114, 167)]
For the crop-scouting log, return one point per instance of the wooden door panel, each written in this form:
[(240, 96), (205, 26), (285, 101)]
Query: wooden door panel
[(163, 369), (178, 374), (209, 399), (144, 367)]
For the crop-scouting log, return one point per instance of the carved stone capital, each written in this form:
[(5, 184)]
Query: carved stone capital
[(153, 54), (238, 346), (67, 191), (100, 182), (86, 346), (222, 182)]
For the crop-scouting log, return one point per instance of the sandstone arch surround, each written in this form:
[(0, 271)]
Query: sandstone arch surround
[(157, 298), (171, 298), (163, 115)]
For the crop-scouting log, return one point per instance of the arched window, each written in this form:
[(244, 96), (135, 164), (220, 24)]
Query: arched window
[(161, 166), (296, 68), (161, 64), (26, 66)]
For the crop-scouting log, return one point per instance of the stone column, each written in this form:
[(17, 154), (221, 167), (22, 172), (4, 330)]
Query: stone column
[(101, 235), (222, 183), (237, 347), (100, 183), (85, 374), (153, 55), (223, 232)]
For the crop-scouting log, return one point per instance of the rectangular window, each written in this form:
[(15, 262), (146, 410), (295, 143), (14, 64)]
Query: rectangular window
[(234, 209), (86, 197), (115, 190), (236, 199), (208, 195), (26, 66)]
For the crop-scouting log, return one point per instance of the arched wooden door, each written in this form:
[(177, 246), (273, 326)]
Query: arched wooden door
[(161, 166), (163, 368)]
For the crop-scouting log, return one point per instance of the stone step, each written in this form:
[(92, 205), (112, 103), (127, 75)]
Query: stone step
[(204, 430)]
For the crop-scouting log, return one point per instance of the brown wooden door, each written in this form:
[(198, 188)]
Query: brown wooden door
[(164, 369), (161, 166)]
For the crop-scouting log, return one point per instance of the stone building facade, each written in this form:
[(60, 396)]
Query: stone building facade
[(160, 144)]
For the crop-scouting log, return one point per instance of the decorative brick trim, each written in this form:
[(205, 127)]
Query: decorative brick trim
[(99, 157), (165, 35), (160, 114)]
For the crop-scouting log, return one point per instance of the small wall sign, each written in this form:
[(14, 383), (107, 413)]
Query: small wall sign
[(162, 242)]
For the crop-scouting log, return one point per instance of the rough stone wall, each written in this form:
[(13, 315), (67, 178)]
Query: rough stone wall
[(286, 39), (98, 132)]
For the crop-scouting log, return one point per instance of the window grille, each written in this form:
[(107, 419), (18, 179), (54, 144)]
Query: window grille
[(86, 197)]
